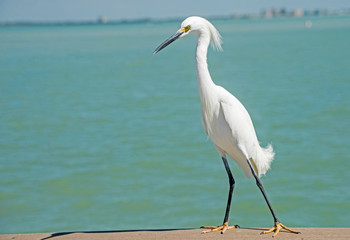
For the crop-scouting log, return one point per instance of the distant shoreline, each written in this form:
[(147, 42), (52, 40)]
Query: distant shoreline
[(265, 14)]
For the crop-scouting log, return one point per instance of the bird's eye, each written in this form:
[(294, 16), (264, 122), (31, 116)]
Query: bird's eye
[(188, 27)]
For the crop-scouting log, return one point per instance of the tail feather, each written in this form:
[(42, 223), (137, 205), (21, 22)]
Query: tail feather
[(263, 159)]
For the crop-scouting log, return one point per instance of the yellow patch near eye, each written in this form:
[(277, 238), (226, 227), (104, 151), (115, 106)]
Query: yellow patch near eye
[(185, 29)]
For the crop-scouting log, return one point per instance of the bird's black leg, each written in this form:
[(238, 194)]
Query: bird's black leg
[(260, 186), (232, 186), (278, 226), (225, 225)]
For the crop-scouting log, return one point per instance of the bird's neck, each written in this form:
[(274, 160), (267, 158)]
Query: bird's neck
[(205, 82)]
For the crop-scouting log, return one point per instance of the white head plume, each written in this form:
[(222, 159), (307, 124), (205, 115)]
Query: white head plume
[(198, 23)]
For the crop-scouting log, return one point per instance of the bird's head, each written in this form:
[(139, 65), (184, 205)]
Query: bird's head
[(194, 25)]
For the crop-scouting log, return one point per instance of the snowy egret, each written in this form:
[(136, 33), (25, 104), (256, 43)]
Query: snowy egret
[(225, 120)]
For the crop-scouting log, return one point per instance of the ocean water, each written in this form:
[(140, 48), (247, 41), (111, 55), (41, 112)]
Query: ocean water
[(96, 133)]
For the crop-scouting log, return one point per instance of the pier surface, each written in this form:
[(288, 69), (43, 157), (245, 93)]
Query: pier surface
[(183, 234)]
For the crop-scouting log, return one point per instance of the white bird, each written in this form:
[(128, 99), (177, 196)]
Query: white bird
[(225, 119)]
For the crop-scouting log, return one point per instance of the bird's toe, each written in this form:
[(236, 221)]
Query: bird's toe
[(277, 228)]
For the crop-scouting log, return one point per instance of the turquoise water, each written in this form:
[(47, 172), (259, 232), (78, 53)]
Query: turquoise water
[(98, 134)]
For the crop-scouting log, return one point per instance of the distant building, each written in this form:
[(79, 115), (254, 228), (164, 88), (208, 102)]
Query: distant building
[(274, 12), (284, 11), (102, 20), (317, 12), (298, 12), (267, 13), (235, 16)]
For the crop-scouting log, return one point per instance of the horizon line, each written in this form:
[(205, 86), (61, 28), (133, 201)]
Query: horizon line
[(264, 14)]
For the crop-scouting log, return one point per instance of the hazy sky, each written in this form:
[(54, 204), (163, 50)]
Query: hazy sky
[(63, 10)]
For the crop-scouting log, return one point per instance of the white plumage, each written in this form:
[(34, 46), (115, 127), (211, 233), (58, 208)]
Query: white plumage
[(230, 128), (225, 119)]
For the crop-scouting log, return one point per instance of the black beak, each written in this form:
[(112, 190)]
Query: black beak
[(168, 41)]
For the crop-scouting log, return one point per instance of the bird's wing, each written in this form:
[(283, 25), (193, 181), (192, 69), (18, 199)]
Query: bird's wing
[(204, 123), (243, 134), (239, 121)]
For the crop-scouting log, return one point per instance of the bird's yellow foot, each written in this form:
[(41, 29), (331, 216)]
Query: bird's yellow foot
[(223, 228), (278, 226)]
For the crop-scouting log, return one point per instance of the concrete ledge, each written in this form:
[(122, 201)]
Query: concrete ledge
[(183, 234)]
